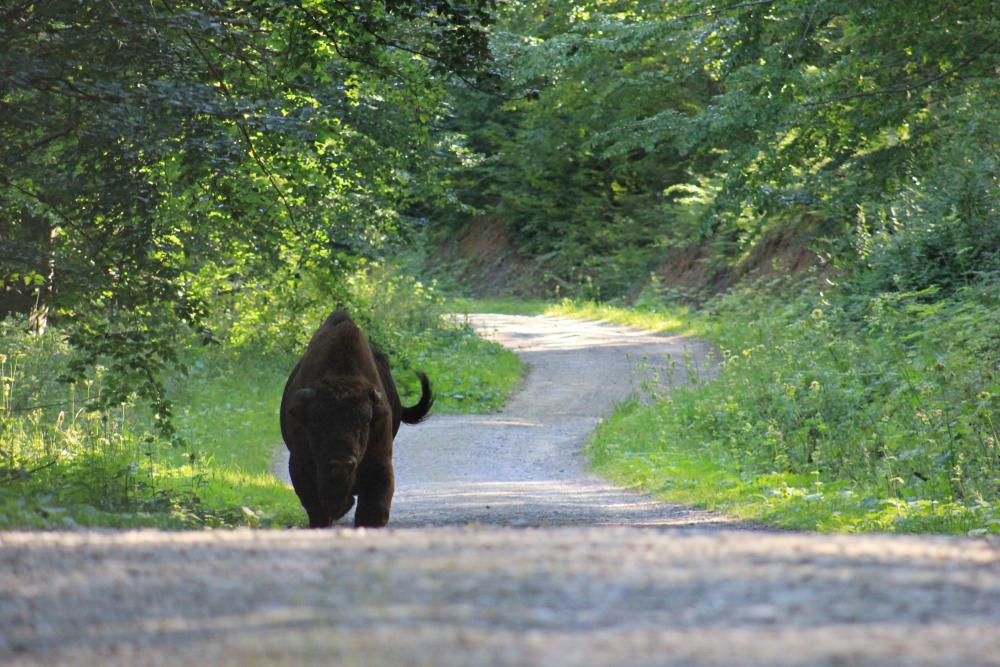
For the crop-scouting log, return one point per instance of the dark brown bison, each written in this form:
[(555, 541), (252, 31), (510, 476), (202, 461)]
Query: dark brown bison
[(339, 413)]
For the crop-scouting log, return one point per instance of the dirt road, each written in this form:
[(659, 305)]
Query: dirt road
[(504, 551)]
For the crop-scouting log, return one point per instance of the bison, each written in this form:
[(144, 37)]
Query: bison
[(339, 414)]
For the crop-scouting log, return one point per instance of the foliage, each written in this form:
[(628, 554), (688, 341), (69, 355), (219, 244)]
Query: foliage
[(941, 230), (634, 127), (912, 385), (828, 412), (153, 154), (62, 463)]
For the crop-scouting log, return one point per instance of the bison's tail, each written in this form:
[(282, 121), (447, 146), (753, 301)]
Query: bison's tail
[(416, 413)]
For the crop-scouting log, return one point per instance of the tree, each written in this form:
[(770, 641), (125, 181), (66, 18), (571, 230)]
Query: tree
[(621, 113), (170, 149)]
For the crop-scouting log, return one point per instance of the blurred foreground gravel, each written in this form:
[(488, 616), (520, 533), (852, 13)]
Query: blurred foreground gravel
[(502, 550), (493, 596)]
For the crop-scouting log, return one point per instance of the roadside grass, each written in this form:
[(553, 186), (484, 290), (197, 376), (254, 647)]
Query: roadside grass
[(831, 412), (66, 465), (468, 374), (228, 415), (649, 448), (828, 414), (675, 319)]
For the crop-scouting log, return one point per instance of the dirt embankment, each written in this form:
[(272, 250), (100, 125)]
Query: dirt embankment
[(698, 269), (485, 261)]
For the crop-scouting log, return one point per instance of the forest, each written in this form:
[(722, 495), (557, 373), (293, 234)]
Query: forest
[(813, 186)]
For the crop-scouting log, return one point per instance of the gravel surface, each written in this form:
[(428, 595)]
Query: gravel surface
[(502, 550)]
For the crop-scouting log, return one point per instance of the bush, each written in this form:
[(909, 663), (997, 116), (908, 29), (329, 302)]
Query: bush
[(904, 400), (840, 411), (943, 228)]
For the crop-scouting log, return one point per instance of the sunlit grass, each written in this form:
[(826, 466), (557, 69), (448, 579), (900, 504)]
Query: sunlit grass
[(468, 374), (663, 319), (505, 305), (229, 416), (646, 447)]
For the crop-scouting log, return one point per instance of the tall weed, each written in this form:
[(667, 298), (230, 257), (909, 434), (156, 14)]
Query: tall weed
[(61, 461)]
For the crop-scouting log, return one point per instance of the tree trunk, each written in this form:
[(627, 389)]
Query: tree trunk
[(29, 274)]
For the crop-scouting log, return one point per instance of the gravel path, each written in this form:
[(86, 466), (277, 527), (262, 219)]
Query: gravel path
[(593, 577), (524, 466)]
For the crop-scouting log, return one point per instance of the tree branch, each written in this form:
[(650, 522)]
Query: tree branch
[(335, 43), (719, 10), (396, 45), (14, 12), (244, 132), (895, 90), (68, 221)]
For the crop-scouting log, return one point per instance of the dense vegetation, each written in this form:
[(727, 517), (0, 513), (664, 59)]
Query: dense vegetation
[(642, 138), (186, 188), (633, 128), (818, 421), (155, 157)]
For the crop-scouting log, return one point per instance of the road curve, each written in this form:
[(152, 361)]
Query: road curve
[(524, 465), (503, 551)]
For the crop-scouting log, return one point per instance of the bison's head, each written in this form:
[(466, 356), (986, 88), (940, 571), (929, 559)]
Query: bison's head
[(337, 419)]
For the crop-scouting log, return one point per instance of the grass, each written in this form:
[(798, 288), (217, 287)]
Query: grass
[(69, 466), (506, 305), (677, 319), (62, 465), (647, 448), (228, 412), (468, 374)]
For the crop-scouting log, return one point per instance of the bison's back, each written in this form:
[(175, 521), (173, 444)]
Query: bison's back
[(338, 347)]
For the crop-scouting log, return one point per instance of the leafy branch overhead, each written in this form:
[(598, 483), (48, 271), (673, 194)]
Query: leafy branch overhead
[(801, 109), (153, 154)]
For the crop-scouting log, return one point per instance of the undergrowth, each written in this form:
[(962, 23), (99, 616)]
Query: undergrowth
[(830, 412)]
